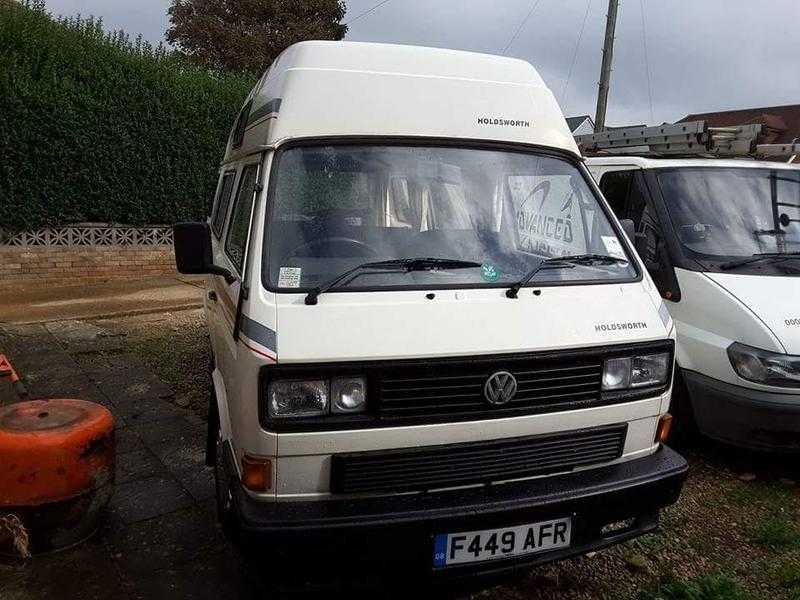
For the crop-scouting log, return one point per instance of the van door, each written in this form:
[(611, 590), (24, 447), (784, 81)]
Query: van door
[(230, 252), (629, 198), (217, 221)]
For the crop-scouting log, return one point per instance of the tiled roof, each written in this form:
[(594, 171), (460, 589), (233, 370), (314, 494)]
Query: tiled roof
[(781, 124), (574, 122)]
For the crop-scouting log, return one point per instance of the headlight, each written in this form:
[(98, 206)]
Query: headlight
[(635, 371), (298, 398), (651, 369), (762, 366), (348, 394), (289, 398), (617, 373)]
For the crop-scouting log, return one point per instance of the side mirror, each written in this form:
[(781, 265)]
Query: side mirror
[(640, 243), (193, 255), (629, 228), (652, 263)]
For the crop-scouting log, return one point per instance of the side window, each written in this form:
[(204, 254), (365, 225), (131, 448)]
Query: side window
[(628, 199), (241, 125), (240, 217), (615, 186), (223, 202), (648, 231)]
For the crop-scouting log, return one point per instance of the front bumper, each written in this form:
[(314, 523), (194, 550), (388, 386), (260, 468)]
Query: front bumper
[(405, 525), (743, 416)]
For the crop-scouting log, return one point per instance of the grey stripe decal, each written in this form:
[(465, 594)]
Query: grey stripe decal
[(259, 333), (273, 106)]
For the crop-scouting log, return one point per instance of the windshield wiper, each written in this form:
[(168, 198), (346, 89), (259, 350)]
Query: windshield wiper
[(757, 257), (563, 262), (403, 265)]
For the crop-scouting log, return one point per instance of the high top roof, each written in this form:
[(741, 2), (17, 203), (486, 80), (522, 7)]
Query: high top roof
[(333, 89)]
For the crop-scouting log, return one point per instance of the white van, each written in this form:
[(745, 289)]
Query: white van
[(431, 339), (721, 239)]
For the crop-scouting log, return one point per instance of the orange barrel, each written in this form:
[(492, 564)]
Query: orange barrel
[(56, 468)]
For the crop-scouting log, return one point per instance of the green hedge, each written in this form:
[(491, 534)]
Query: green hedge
[(94, 127)]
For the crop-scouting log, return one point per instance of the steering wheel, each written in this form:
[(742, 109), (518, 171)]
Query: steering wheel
[(361, 249)]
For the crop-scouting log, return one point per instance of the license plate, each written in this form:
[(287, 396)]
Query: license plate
[(489, 544)]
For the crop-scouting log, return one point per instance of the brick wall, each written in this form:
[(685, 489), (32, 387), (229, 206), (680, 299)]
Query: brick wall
[(75, 265)]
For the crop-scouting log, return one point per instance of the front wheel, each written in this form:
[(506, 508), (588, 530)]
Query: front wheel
[(226, 512)]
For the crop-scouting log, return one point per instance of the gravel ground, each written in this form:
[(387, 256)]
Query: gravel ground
[(733, 535)]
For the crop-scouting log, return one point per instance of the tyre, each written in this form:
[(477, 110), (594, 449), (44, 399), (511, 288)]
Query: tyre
[(226, 512)]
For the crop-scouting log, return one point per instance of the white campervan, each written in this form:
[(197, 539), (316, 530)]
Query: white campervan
[(431, 340), (721, 239)]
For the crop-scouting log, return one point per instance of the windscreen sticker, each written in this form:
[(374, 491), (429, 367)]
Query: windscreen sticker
[(489, 272), (613, 247), (289, 277)]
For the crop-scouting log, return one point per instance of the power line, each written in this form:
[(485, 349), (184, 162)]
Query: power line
[(366, 12), (575, 54), (521, 25), (647, 63)]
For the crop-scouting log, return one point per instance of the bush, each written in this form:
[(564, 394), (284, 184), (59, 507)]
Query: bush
[(95, 127)]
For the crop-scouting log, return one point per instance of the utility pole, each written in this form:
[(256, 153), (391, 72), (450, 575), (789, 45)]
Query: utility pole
[(605, 68)]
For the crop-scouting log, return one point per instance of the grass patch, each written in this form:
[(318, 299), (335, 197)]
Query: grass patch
[(703, 545), (715, 586), (777, 532), (772, 495), (651, 543), (787, 575)]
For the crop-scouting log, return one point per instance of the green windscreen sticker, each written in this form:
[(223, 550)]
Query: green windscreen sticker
[(489, 272)]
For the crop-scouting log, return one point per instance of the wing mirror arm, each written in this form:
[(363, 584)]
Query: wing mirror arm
[(629, 228), (222, 272), (193, 253)]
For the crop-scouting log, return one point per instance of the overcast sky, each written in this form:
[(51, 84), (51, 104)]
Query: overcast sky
[(703, 55)]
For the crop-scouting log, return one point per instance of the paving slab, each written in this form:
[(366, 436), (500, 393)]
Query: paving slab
[(210, 578), (127, 440), (138, 411), (147, 498), (159, 537), (82, 336), (86, 571), (137, 465), (198, 482), (167, 541)]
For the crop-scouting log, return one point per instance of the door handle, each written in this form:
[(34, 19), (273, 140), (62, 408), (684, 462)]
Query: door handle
[(212, 295)]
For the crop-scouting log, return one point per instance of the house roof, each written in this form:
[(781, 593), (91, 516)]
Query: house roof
[(781, 124), (574, 122)]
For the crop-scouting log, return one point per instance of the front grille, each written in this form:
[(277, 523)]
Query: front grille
[(543, 385), (419, 469), (450, 389)]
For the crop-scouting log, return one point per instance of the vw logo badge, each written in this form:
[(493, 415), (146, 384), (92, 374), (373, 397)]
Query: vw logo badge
[(500, 388)]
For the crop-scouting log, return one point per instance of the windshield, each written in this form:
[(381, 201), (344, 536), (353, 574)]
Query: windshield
[(336, 207), (734, 211)]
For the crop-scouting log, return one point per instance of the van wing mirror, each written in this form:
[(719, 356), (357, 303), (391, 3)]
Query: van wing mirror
[(629, 228), (193, 255), (640, 243), (658, 264)]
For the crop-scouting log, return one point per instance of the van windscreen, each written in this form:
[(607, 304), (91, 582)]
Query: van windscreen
[(734, 212), (335, 207)]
